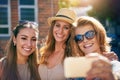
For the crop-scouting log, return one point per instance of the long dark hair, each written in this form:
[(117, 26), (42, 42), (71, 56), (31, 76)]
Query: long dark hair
[(10, 71)]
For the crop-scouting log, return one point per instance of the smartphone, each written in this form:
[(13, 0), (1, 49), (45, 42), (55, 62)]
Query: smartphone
[(76, 67)]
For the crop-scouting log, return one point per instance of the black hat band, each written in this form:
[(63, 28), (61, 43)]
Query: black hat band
[(64, 16)]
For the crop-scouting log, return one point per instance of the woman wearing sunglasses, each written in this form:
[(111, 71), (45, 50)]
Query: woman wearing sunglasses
[(90, 37), (20, 62)]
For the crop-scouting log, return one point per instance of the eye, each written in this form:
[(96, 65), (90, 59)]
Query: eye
[(34, 39), (23, 38), (66, 27), (57, 25)]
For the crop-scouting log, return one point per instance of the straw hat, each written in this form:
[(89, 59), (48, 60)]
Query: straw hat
[(65, 15)]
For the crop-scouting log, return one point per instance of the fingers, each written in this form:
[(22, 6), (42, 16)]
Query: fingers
[(97, 56), (110, 55), (101, 70)]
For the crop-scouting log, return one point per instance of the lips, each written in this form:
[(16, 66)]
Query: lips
[(27, 49), (88, 45), (59, 35)]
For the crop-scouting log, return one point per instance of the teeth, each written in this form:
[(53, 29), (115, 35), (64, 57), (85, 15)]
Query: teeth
[(88, 45), (27, 49), (59, 35)]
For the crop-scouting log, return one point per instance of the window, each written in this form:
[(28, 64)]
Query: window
[(5, 18), (28, 10)]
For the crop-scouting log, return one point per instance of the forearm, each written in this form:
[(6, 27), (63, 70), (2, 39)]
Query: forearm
[(117, 75)]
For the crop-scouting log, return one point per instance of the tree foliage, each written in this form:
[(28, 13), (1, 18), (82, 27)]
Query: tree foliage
[(102, 9), (105, 9)]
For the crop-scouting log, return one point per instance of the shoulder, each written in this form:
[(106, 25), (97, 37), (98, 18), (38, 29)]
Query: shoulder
[(2, 61), (116, 69), (115, 65), (42, 66)]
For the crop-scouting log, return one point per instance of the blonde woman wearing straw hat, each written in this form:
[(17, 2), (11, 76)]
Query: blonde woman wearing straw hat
[(57, 45)]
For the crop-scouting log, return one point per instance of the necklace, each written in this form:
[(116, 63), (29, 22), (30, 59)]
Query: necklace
[(56, 73), (52, 67)]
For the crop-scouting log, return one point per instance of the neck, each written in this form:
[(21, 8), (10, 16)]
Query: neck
[(99, 52), (59, 46), (22, 60)]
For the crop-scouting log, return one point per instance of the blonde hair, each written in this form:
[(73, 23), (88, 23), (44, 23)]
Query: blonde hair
[(102, 38), (49, 46)]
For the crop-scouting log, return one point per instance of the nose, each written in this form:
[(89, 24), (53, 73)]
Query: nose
[(29, 43), (60, 30), (85, 39)]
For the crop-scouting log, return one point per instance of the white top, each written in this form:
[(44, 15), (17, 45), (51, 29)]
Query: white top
[(115, 66), (55, 73)]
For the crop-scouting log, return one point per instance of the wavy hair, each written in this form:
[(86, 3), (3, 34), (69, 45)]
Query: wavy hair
[(102, 38), (49, 47)]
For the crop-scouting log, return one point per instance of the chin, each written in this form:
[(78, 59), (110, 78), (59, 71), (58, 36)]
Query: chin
[(89, 52)]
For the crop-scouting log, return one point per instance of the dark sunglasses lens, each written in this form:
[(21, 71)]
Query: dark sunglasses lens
[(78, 38), (90, 34)]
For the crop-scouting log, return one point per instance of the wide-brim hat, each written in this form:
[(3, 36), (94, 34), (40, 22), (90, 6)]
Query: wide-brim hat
[(63, 14)]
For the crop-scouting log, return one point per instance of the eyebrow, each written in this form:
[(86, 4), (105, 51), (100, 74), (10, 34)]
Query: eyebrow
[(27, 36)]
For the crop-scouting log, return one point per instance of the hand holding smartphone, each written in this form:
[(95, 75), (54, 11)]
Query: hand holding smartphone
[(77, 66)]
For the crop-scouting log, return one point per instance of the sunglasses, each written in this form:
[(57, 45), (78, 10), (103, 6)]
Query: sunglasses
[(23, 22), (88, 35)]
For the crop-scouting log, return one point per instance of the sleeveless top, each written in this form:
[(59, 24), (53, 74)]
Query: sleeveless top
[(24, 71), (55, 73)]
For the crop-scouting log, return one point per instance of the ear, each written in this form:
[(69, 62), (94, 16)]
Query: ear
[(14, 40)]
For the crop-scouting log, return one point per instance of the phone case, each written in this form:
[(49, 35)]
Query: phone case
[(75, 67)]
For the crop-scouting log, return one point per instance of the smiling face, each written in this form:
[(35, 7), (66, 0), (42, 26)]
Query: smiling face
[(61, 31), (87, 45), (25, 42)]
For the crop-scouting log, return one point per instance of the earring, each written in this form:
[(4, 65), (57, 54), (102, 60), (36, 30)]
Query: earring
[(14, 44)]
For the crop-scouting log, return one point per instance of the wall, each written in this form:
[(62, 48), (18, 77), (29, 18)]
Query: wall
[(46, 8)]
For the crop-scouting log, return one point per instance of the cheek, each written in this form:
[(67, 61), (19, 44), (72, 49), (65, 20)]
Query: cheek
[(53, 31), (55, 28), (67, 33), (20, 42), (96, 41), (34, 44), (80, 45)]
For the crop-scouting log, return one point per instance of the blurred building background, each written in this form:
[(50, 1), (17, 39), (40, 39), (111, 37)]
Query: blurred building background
[(107, 12), (11, 11)]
